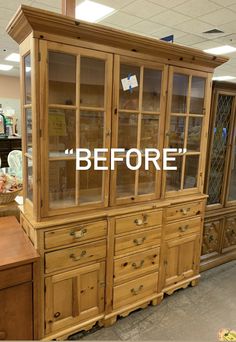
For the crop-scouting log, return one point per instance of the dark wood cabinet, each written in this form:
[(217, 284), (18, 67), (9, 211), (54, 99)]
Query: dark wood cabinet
[(6, 146)]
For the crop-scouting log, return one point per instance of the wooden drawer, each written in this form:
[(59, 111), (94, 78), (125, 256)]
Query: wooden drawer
[(136, 264), (73, 256), (181, 228), (137, 241), (138, 221), (134, 290), (15, 276), (75, 233), (183, 211)]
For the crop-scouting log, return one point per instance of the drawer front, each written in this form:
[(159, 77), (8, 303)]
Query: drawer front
[(182, 228), (75, 233), (73, 256), (137, 241), (136, 264), (134, 290), (183, 211), (138, 221), (15, 276)]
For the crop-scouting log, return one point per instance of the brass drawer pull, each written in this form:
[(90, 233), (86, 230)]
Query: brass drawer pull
[(136, 292), (140, 222), (78, 234), (135, 266), (183, 228), (184, 211), (75, 258), (139, 242), (57, 314)]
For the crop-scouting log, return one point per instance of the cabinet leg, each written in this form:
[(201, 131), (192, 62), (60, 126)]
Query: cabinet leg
[(195, 282), (107, 322), (157, 301)]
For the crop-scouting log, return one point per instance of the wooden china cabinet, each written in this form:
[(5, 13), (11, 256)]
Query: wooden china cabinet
[(110, 241), (219, 237)]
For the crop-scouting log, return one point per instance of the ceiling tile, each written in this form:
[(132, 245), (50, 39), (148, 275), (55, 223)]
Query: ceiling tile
[(117, 4), (14, 4), (194, 26), (122, 19), (46, 6), (229, 28), (208, 44), (167, 31), (195, 8), (224, 3), (169, 18), (221, 16), (143, 9), (168, 3), (190, 39), (145, 27)]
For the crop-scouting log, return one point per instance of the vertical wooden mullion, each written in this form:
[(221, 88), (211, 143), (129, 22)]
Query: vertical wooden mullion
[(75, 296), (77, 127), (186, 131), (139, 126)]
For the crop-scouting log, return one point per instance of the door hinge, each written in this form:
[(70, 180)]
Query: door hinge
[(115, 111), (39, 56)]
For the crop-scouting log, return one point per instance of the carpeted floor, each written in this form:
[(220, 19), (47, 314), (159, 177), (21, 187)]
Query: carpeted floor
[(196, 313)]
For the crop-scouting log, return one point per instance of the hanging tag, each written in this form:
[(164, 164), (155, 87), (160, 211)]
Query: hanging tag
[(129, 82)]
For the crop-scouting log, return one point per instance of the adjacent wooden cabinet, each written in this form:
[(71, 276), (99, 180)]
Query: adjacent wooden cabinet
[(114, 240), (219, 238)]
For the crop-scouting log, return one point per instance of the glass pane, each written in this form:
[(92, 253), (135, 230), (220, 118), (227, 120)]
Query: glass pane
[(29, 172), (191, 172), (197, 95), (62, 78), (125, 180), (219, 147), (194, 133), (179, 93), (62, 183), (90, 184), (28, 119), (173, 177), (61, 131), (176, 132), (27, 71), (92, 80), (147, 179), (151, 90), (149, 131), (129, 99), (232, 184), (91, 129), (127, 131)]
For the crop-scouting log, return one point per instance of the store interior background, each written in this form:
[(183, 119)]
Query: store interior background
[(186, 20)]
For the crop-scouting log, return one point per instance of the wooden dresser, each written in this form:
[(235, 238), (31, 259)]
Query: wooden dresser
[(18, 283), (111, 240)]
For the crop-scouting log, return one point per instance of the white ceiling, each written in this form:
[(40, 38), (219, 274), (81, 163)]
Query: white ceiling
[(186, 19)]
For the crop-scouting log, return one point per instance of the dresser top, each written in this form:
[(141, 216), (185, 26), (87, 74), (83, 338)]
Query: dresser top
[(15, 247)]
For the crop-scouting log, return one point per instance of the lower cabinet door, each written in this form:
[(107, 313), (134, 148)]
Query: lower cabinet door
[(74, 296), (229, 233), (181, 258)]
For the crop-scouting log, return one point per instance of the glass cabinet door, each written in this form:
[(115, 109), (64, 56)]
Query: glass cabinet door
[(219, 147), (231, 197), (78, 117), (186, 116), (137, 123)]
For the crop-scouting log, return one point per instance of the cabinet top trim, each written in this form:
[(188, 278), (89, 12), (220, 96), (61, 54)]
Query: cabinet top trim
[(28, 19)]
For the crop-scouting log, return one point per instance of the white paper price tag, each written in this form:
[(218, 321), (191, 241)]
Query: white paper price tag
[(129, 83)]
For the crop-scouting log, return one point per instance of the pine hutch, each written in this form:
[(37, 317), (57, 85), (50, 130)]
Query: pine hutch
[(110, 242), (219, 237)]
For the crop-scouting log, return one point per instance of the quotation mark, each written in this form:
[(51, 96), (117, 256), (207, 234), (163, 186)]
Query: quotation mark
[(67, 152), (182, 150)]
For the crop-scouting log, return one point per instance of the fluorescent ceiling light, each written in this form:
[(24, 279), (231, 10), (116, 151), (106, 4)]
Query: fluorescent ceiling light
[(5, 67), (28, 69), (13, 57), (223, 78), (221, 50), (92, 11)]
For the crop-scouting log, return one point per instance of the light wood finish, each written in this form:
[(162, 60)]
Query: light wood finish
[(74, 256), (107, 250), (134, 290), (138, 221), (19, 274), (136, 264), (75, 233), (219, 243), (68, 7)]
